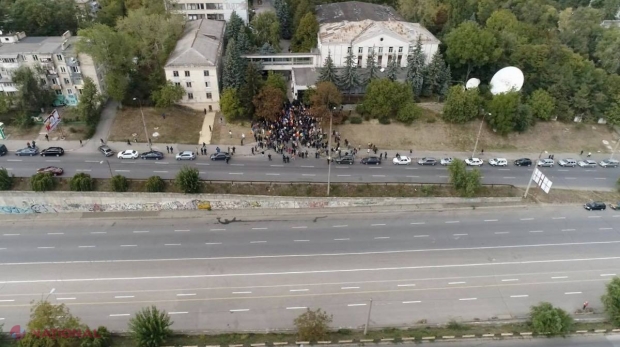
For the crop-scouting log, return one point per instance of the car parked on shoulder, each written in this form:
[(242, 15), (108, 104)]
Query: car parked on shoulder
[(3, 150), (568, 162), (28, 151), (154, 155), (587, 163), (220, 156), (371, 161), (474, 162), (498, 162), (105, 150), (595, 205), (128, 154), (427, 161), (523, 162), (402, 160), (186, 155), (345, 159), (545, 162), (615, 206), (609, 163), (56, 171), (446, 161), (52, 152)]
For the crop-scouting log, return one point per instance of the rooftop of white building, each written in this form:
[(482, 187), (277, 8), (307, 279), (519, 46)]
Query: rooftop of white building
[(199, 45)]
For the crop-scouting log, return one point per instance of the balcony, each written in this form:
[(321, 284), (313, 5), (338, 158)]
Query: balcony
[(72, 61), (56, 87)]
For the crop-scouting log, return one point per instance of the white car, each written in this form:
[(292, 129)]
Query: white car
[(498, 162), (186, 155), (609, 163), (567, 162), (474, 162), (446, 161), (587, 163), (545, 162), (402, 160), (128, 154)]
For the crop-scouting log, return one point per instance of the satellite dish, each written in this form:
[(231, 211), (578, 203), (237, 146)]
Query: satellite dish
[(506, 80), (472, 83)]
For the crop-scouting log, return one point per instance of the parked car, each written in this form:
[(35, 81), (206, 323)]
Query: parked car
[(402, 160), (474, 162), (545, 162), (56, 171), (347, 159), (371, 161), (427, 161), (186, 155), (615, 206), (52, 152), (523, 162), (128, 154), (446, 161), (568, 162), (587, 163), (155, 155), (220, 156), (28, 151), (3, 150), (595, 205), (609, 163), (105, 150), (498, 162)]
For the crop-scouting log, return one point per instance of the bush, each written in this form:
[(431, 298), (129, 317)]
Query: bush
[(42, 182), (385, 120), (360, 109), (356, 120), (611, 301), (546, 319), (408, 113), (104, 339), (119, 184), (312, 325), (467, 183), (188, 180), (6, 180), (155, 184), (81, 182), (150, 327)]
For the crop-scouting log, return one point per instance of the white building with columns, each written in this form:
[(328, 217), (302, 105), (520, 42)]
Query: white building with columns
[(213, 9)]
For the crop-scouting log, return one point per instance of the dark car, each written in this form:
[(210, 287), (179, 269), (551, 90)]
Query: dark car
[(595, 205), (29, 151), (220, 156), (523, 162), (347, 159), (371, 161), (3, 150), (105, 150), (55, 171), (155, 155), (52, 152)]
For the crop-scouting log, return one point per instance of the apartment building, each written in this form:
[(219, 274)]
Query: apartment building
[(59, 65), (217, 10)]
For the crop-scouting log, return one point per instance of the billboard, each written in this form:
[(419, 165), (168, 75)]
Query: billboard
[(52, 121)]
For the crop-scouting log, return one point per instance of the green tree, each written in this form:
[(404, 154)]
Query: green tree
[(6, 179), (276, 80), (305, 36), (415, 68), (42, 182), (167, 95), (372, 69), (542, 104), (268, 102), (233, 27), (119, 184), (32, 94), (607, 49), (111, 11), (243, 42), (303, 7), (104, 339), (465, 182), (155, 184), (251, 87), (471, 46), (313, 325), (233, 64), (283, 13), (266, 29), (328, 71), (544, 318), (392, 69), (266, 49), (461, 105), (349, 78), (89, 105), (33, 17), (432, 77), (44, 315), (231, 106), (580, 28), (81, 182), (188, 180), (324, 99), (5, 103), (150, 327), (384, 98), (612, 114), (503, 109), (408, 113), (445, 81)]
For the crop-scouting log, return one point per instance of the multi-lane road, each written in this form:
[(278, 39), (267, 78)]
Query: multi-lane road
[(259, 274), (259, 168)]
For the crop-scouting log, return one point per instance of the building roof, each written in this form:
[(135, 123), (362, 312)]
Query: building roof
[(33, 45), (355, 11), (353, 32), (200, 44)]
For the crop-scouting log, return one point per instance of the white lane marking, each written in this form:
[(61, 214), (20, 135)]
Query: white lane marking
[(349, 288), (307, 166), (240, 310), (7, 300), (519, 296), (298, 290), (536, 231), (417, 223), (87, 246), (510, 280), (605, 228), (202, 172), (259, 228), (1, 319), (378, 175), (504, 169), (235, 173), (301, 240), (570, 178), (572, 293), (13, 160), (411, 302), (490, 220), (376, 225), (45, 247), (594, 216), (344, 175), (124, 297), (382, 237), (308, 174), (161, 162), (502, 232), (160, 171), (213, 243), (181, 230), (420, 236), (558, 218), (563, 170), (340, 226), (607, 275), (187, 294), (140, 231), (218, 230), (277, 165), (527, 218), (299, 227), (203, 164), (52, 160), (237, 164), (83, 170), (92, 161), (558, 277), (406, 285), (272, 174), (600, 178), (55, 233), (616, 216), (342, 167), (296, 308), (414, 176), (452, 221), (129, 245), (65, 298), (8, 169), (242, 292), (353, 305), (460, 234), (10, 234), (468, 299), (452, 283), (443, 176), (258, 241), (119, 315), (121, 170), (509, 178), (184, 312), (568, 229), (98, 232), (346, 239), (172, 244)]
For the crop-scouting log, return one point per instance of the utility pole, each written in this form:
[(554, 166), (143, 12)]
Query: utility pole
[(329, 150), (368, 318), (473, 154), (146, 133)]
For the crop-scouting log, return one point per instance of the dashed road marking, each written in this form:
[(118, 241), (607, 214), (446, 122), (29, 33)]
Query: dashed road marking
[(344, 288), (240, 310), (460, 234), (420, 236), (340, 226), (453, 283), (272, 174), (184, 312), (353, 305), (299, 227), (502, 232), (568, 229), (55, 233), (213, 243), (298, 290), (468, 299), (172, 244), (527, 218), (519, 296), (377, 225), (382, 237), (345, 239), (140, 231), (296, 308), (510, 280), (406, 285), (605, 228), (490, 220), (119, 315), (536, 231), (411, 302), (160, 171), (572, 293), (259, 228), (129, 245), (608, 275), (45, 247), (452, 222), (121, 170), (235, 173), (87, 246), (187, 294), (124, 297), (558, 277), (301, 240), (558, 218), (258, 241), (344, 175), (417, 223), (242, 292)]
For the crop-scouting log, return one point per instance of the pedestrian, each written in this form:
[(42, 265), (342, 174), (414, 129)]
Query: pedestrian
[(80, 142), (128, 142), (204, 145), (411, 151), (210, 129), (163, 115), (241, 142), (167, 149), (243, 136), (28, 144), (482, 151), (589, 154), (580, 154), (171, 150), (34, 144), (252, 150), (385, 155), (380, 156), (196, 150), (268, 155), (368, 151), (221, 120), (227, 160), (230, 133), (217, 149), (233, 150), (228, 150), (103, 142), (205, 111), (47, 138), (585, 305)]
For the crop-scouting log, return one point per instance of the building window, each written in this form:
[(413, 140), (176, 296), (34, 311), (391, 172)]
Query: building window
[(58, 92), (175, 73), (63, 70), (370, 50), (400, 49), (391, 50), (206, 84), (215, 16), (67, 81), (188, 84), (379, 58), (178, 84), (359, 61), (209, 96), (206, 73), (75, 69), (70, 91), (215, 6), (190, 96), (348, 49), (360, 50), (34, 57), (186, 73), (59, 57), (54, 81), (400, 59), (380, 50)]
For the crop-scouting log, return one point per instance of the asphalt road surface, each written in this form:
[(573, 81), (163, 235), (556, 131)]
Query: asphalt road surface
[(259, 168), (261, 274), (577, 341)]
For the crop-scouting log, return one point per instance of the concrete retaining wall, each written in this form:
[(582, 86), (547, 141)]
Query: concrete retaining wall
[(67, 202)]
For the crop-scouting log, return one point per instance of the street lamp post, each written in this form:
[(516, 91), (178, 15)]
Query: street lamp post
[(329, 150), (146, 133), (473, 154), (529, 184)]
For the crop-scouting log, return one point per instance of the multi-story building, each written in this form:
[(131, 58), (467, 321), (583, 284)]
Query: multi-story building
[(54, 59), (195, 64), (215, 9)]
